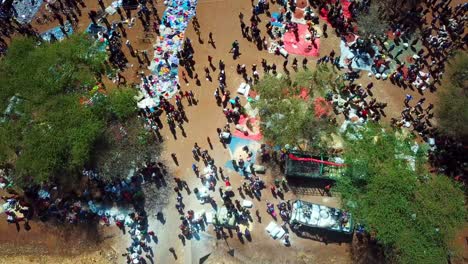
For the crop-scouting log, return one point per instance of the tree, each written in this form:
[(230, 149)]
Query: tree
[(287, 109), (125, 147), (376, 18), (51, 129), (413, 214), (372, 22), (122, 103), (452, 112), (398, 9)]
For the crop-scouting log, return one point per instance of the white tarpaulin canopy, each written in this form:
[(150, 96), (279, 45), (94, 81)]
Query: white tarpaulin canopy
[(147, 102)]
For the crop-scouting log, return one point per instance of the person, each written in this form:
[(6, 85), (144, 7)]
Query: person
[(247, 233), (195, 168), (172, 250), (286, 240), (174, 158), (192, 96), (197, 148), (408, 98), (178, 181)]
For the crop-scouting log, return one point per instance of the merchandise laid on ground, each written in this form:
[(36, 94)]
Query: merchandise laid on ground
[(164, 67), (217, 131), (304, 45), (26, 9), (319, 216), (346, 13), (224, 218), (57, 33)]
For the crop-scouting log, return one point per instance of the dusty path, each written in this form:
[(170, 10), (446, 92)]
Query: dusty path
[(221, 18)]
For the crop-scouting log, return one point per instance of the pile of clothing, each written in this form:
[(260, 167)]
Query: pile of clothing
[(164, 67)]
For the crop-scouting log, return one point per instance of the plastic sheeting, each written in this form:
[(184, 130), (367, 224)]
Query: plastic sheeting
[(26, 10), (345, 8), (362, 61), (303, 46), (57, 32)]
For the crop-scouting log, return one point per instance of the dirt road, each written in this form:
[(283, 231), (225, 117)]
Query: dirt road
[(221, 17)]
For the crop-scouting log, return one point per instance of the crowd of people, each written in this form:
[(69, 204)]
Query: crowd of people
[(440, 38)]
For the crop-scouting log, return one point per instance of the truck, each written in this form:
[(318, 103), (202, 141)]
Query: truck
[(320, 216)]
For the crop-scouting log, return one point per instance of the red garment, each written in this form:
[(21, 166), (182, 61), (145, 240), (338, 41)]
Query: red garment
[(291, 156), (364, 113), (227, 183), (127, 196), (397, 33)]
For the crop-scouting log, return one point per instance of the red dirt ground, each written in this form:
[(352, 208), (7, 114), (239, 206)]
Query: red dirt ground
[(50, 245)]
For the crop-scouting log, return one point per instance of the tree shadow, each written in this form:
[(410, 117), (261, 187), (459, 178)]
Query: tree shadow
[(322, 235)]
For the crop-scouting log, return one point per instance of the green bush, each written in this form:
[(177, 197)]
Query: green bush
[(414, 215), (452, 110), (52, 135), (122, 103)]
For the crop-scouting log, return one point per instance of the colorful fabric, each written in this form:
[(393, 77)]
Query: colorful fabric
[(344, 6), (57, 32), (252, 135), (302, 47), (165, 71), (292, 157)]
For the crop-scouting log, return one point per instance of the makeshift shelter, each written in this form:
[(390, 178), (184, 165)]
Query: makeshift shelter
[(306, 165), (320, 216)]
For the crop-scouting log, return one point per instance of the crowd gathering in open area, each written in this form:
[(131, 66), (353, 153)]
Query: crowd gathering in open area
[(225, 187)]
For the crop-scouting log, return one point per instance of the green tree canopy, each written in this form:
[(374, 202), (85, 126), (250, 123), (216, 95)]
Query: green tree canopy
[(376, 19), (122, 103), (452, 110), (413, 214), (286, 108), (46, 133), (373, 22)]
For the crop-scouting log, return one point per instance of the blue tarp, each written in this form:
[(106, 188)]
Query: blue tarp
[(57, 32), (26, 9), (93, 29), (362, 61), (237, 144), (276, 24)]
